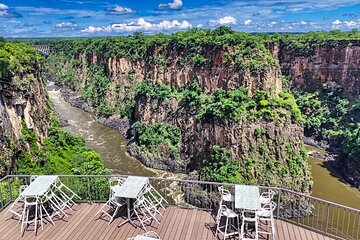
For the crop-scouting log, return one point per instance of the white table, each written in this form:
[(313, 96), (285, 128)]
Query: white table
[(39, 186), (130, 189), (247, 197)]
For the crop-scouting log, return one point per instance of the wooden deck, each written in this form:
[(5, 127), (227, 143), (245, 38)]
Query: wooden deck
[(182, 224)]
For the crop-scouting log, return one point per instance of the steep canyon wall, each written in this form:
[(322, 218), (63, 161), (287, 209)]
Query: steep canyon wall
[(267, 150), (23, 104)]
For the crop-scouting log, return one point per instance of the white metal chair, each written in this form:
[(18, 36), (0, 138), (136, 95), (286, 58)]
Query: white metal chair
[(226, 196), (230, 216), (249, 217), (266, 214), (149, 234), (57, 203), (153, 199), (267, 197), (113, 204), (61, 190), (37, 203), (33, 177), (18, 202), (114, 183), (143, 213)]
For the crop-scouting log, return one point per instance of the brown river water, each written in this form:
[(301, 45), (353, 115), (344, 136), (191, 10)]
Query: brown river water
[(111, 145)]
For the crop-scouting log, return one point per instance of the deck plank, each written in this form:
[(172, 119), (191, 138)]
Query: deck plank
[(176, 223)]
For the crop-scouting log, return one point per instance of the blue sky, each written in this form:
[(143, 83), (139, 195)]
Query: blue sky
[(62, 18)]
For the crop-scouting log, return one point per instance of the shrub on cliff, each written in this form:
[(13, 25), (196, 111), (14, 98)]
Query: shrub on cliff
[(62, 153), (219, 167), (159, 138)]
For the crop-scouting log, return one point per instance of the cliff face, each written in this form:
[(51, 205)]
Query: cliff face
[(22, 104), (333, 63), (168, 67), (337, 65), (263, 149), (268, 158)]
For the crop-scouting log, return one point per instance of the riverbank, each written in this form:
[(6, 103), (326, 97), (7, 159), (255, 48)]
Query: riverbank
[(108, 142), (330, 153), (328, 181)]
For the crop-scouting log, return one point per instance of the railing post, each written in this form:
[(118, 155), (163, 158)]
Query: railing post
[(358, 229), (327, 218), (187, 192), (88, 183), (10, 192), (278, 204), (1, 198)]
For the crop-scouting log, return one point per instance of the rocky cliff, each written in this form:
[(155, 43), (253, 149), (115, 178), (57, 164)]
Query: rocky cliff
[(327, 74), (332, 63), (239, 86), (23, 102)]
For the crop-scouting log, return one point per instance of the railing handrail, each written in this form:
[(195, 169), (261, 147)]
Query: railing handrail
[(203, 182)]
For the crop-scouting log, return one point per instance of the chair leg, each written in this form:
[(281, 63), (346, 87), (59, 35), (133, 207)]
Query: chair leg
[(226, 227), (41, 218), (48, 215), (23, 219), (273, 228), (114, 214), (256, 230), (238, 226)]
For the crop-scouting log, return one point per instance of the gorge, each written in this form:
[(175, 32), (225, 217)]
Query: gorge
[(214, 103)]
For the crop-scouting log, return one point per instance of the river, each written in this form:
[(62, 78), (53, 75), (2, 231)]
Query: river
[(111, 145)]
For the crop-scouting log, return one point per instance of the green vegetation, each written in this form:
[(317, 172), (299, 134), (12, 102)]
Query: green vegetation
[(149, 89), (220, 167), (154, 137), (17, 63), (333, 118), (231, 105), (62, 153), (303, 42)]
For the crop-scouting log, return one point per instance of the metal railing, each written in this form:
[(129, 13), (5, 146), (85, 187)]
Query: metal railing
[(316, 214)]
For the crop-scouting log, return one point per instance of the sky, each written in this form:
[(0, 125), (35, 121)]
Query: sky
[(66, 18)]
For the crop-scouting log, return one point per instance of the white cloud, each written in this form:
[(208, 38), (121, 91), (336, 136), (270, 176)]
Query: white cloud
[(7, 12), (350, 23), (176, 4), (120, 10), (3, 7), (66, 25), (337, 22), (247, 22), (228, 20), (303, 23), (272, 23), (347, 24), (140, 25)]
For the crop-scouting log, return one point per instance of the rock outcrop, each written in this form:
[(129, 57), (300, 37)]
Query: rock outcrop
[(23, 103), (333, 63)]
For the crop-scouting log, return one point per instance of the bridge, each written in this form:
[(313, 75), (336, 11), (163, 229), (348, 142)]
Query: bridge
[(43, 49)]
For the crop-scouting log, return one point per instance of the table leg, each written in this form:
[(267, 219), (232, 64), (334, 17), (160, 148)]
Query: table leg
[(128, 213), (128, 208)]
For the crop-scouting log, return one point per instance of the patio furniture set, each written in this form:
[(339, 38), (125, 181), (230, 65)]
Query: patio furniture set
[(142, 200), (45, 196), (243, 208)]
